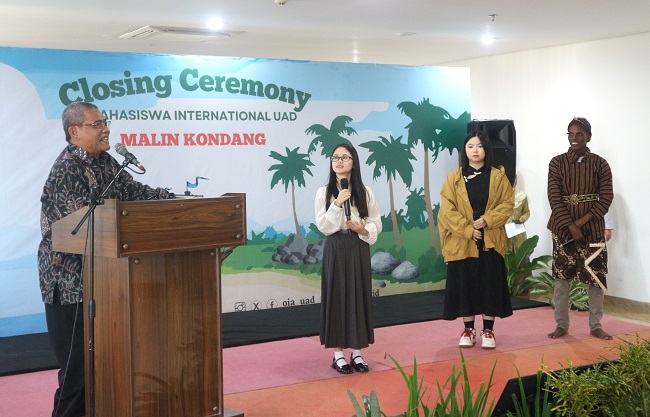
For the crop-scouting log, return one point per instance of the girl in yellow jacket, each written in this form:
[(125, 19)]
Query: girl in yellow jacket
[(476, 201)]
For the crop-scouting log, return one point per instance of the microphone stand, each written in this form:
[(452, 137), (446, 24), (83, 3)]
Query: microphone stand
[(90, 216)]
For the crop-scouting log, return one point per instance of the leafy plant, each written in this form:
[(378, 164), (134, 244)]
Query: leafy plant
[(633, 366), (544, 285), (522, 281), (416, 391), (579, 393), (611, 388), (520, 267), (541, 405), (371, 405), (471, 404)]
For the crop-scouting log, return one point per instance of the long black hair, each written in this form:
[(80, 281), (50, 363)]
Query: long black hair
[(487, 147), (358, 198)]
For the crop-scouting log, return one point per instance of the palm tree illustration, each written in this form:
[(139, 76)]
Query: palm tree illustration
[(393, 157), (430, 125), (415, 209), (451, 136), (329, 138), (291, 170)]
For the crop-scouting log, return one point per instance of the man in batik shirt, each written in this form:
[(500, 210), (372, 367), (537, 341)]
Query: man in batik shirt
[(81, 172), (580, 192)]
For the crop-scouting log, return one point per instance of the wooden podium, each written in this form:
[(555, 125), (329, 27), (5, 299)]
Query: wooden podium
[(157, 290)]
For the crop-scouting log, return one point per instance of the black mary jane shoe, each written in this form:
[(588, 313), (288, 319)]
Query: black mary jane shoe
[(345, 369), (359, 367)]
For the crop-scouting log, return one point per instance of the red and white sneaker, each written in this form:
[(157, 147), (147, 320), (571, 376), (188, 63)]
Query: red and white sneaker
[(468, 338), (488, 340)]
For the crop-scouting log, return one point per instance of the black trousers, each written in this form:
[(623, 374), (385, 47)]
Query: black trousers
[(65, 327)]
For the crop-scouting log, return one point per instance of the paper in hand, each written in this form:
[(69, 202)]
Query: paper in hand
[(514, 229)]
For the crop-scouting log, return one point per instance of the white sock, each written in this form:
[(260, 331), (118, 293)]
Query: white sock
[(338, 354), (356, 354)]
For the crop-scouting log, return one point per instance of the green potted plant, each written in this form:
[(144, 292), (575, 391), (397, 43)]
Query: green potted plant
[(470, 404), (544, 285), (522, 282), (541, 405), (618, 388), (520, 267)]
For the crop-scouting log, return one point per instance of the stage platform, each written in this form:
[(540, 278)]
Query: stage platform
[(293, 378), (31, 353)]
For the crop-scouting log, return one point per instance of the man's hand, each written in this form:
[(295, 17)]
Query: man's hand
[(576, 233)]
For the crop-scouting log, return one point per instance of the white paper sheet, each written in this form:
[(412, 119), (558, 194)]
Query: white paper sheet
[(514, 229)]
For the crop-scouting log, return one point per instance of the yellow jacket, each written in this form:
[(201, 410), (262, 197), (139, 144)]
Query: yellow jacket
[(455, 217)]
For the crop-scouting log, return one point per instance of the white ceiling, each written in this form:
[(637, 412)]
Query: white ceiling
[(365, 31)]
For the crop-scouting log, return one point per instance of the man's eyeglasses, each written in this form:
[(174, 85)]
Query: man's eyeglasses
[(99, 124), (344, 158)]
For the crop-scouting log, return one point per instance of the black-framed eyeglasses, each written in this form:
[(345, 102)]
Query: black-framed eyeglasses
[(99, 124), (344, 158)]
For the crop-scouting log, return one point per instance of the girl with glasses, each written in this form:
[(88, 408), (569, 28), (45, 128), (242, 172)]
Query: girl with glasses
[(347, 212)]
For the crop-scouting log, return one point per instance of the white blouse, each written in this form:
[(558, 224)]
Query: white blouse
[(333, 219)]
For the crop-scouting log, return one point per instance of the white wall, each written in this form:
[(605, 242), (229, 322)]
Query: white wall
[(606, 81)]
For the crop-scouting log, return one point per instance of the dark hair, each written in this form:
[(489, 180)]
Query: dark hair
[(74, 114), (487, 147), (358, 198), (582, 123)]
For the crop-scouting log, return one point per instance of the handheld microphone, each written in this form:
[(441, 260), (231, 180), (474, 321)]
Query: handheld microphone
[(585, 233), (346, 205), (130, 158)]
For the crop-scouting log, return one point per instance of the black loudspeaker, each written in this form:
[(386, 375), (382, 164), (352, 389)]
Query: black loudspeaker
[(503, 139), (531, 390)]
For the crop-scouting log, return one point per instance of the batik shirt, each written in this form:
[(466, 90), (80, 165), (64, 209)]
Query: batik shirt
[(570, 174), (76, 176)]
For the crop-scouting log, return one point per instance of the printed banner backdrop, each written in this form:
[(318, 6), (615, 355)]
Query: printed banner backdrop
[(206, 126)]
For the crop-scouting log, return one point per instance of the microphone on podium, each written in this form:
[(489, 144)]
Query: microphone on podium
[(131, 159)]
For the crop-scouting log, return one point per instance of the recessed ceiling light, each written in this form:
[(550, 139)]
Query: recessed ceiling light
[(215, 23), (487, 39)]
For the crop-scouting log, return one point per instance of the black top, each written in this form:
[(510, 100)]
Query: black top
[(477, 182)]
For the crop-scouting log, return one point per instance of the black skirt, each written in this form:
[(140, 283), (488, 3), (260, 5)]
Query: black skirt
[(477, 286), (346, 293)]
